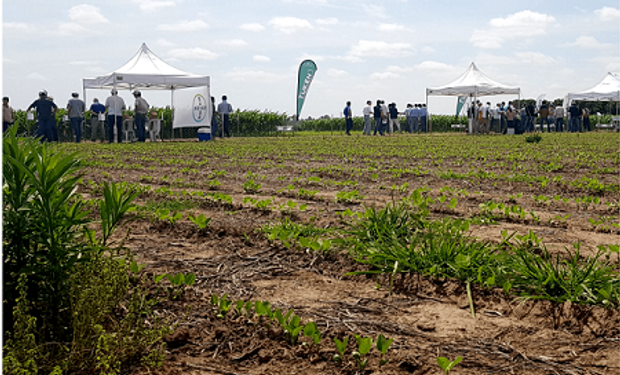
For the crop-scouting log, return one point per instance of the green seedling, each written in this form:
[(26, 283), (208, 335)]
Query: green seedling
[(312, 332), (251, 187), (290, 323), (134, 267), (341, 347), (213, 184), (223, 305), (201, 221), (164, 214), (364, 344), (383, 345), (446, 365)]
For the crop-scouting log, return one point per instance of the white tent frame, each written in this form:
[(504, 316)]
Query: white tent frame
[(474, 84), (146, 71), (608, 90)]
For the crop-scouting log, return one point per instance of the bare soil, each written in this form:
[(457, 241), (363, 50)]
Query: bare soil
[(426, 317)]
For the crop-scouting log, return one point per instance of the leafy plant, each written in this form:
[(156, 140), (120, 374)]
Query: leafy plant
[(348, 196), (222, 305), (312, 332), (341, 347), (164, 214), (251, 187), (446, 365), (383, 345), (364, 344), (201, 221)]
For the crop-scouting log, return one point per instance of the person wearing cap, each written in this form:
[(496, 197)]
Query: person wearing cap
[(76, 108), (225, 109), (7, 114), (115, 105), (45, 109), (142, 107), (97, 126)]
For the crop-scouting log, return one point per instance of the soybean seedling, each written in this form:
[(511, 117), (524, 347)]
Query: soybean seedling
[(383, 345), (222, 305), (364, 344), (341, 347), (446, 365), (312, 332), (201, 221)]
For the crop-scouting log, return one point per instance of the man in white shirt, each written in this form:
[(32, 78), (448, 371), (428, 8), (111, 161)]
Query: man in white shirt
[(115, 105), (559, 118), (495, 114), (485, 112), (367, 111)]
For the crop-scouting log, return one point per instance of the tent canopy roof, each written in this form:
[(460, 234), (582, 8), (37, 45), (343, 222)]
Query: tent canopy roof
[(607, 90), (473, 83), (146, 71)]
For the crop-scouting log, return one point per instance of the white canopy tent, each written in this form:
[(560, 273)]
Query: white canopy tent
[(473, 84), (607, 90), (146, 71)]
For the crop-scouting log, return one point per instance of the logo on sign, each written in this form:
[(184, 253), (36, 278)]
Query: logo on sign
[(199, 108)]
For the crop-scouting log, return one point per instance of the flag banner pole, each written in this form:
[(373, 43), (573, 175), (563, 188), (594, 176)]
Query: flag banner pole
[(307, 70)]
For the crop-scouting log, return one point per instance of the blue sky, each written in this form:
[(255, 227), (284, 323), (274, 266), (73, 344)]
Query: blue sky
[(364, 49)]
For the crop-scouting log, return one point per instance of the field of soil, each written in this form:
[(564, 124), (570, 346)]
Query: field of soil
[(426, 317)]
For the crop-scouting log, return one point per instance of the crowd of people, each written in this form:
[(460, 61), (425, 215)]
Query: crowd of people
[(484, 118), (386, 120), (110, 115)]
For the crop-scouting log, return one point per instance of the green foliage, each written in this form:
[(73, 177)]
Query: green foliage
[(164, 214), (341, 347), (251, 187), (534, 138), (446, 365), (383, 345), (364, 344), (118, 200), (348, 197), (222, 305), (201, 221)]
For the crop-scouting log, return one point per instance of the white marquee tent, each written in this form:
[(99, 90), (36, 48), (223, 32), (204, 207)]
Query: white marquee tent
[(146, 71), (474, 84), (607, 90)]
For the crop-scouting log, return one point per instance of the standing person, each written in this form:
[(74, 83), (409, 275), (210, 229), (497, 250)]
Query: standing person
[(502, 115), (495, 118), (385, 115), (409, 118), (377, 112), (530, 113), (415, 114), (348, 119), (574, 112), (213, 119), (394, 123), (559, 118), (225, 109), (486, 114), (550, 117), (76, 108), (423, 118), (585, 115), (45, 116), (543, 112), (115, 105), (367, 111), (510, 120), (141, 109), (8, 115), (97, 126)]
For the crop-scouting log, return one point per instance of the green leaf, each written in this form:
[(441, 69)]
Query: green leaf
[(383, 344)]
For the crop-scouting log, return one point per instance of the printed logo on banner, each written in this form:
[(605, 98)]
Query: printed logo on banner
[(199, 108)]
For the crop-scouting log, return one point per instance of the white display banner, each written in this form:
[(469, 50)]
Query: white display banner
[(192, 107)]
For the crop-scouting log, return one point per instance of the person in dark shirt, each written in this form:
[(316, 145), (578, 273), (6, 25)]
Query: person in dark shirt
[(46, 121), (378, 119), (575, 121)]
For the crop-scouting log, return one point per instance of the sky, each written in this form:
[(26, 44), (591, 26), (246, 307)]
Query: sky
[(364, 50)]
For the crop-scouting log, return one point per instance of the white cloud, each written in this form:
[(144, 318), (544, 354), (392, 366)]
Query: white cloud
[(427, 50), (87, 14), (164, 42), (253, 27), (534, 58), (70, 28), (439, 69), (290, 25), (37, 77), (336, 73), (390, 27), (384, 75), (234, 42), (155, 5), (366, 48), (192, 53), (261, 58), (524, 24), (375, 11), (327, 21), (195, 25), (18, 26), (587, 42), (608, 13)]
